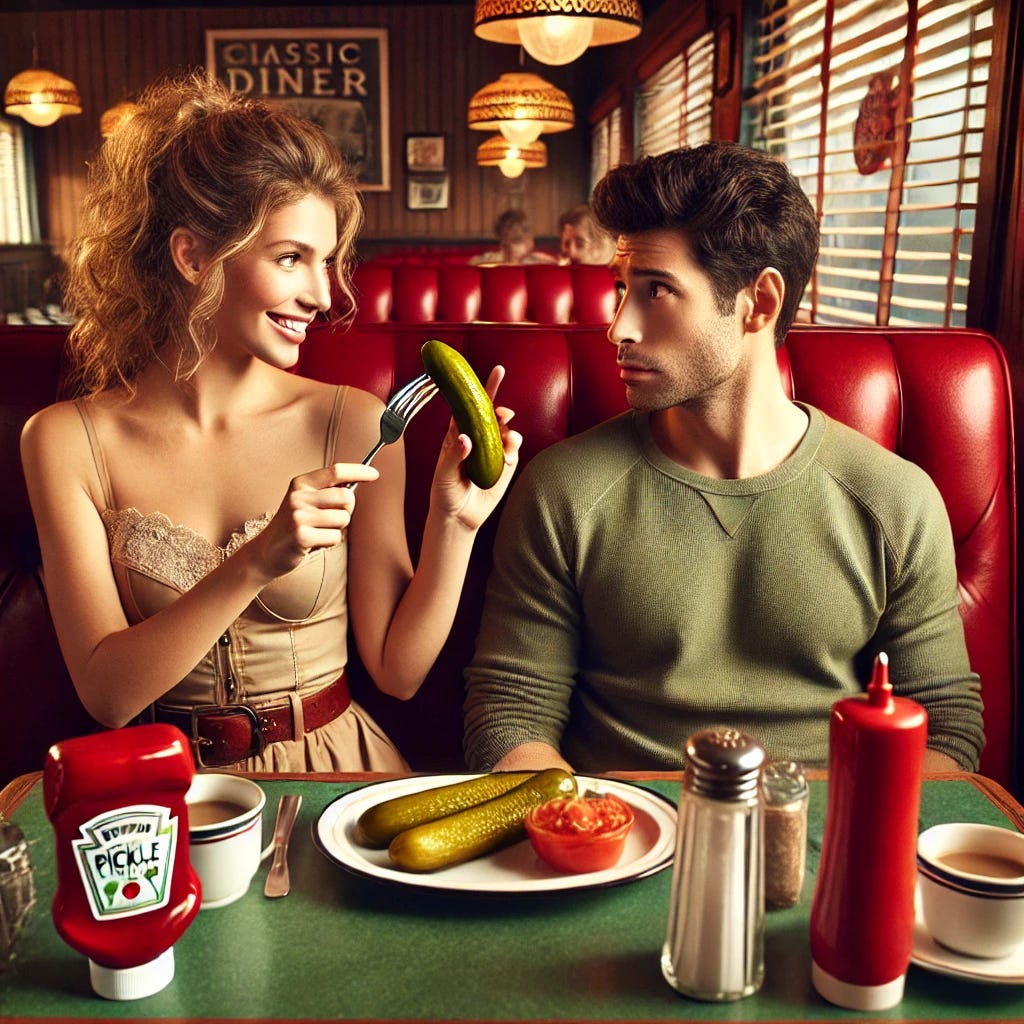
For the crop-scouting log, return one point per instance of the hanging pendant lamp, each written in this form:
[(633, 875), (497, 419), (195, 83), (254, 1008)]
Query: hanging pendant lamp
[(41, 96), (557, 31), (117, 115), (522, 107), (511, 160)]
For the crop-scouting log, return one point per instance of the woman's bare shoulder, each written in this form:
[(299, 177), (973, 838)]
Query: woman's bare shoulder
[(51, 423)]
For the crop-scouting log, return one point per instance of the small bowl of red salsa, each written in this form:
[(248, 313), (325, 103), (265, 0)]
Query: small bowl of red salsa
[(580, 834)]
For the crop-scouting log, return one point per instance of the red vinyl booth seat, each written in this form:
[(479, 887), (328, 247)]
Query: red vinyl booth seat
[(417, 293), (940, 398)]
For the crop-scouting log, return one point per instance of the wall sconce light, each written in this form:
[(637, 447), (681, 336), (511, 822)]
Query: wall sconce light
[(41, 96), (557, 31), (511, 160), (522, 107)]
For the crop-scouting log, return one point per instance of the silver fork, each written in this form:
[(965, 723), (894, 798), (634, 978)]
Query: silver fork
[(401, 407)]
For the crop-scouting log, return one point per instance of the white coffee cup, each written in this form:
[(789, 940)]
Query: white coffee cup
[(970, 879), (225, 835)]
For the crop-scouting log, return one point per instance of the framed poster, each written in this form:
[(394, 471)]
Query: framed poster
[(333, 76), (424, 152), (427, 192)]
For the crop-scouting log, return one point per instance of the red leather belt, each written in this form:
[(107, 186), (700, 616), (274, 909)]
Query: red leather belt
[(224, 734)]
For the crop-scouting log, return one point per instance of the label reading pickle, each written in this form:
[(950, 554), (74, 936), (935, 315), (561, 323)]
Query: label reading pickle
[(471, 408)]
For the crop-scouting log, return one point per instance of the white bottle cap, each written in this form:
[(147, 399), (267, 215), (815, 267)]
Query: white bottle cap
[(132, 982), (857, 997)]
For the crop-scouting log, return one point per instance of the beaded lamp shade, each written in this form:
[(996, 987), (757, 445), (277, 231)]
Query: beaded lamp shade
[(41, 96), (115, 116), (510, 159), (522, 107), (557, 31), (492, 151)]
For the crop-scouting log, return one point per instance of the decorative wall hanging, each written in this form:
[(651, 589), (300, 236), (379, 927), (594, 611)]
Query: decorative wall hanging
[(424, 152), (874, 134), (426, 192), (335, 77)]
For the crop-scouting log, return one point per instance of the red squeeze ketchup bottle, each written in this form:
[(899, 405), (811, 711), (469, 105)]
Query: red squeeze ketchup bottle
[(862, 916), (125, 887)]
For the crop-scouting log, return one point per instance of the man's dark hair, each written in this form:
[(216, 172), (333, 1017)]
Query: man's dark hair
[(740, 209)]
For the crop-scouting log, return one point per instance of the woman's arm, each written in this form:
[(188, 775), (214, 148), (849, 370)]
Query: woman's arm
[(402, 617), (117, 669)]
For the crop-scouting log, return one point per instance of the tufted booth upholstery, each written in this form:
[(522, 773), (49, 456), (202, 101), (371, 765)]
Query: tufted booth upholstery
[(415, 293), (939, 397)]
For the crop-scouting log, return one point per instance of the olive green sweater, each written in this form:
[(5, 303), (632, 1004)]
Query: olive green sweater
[(633, 602)]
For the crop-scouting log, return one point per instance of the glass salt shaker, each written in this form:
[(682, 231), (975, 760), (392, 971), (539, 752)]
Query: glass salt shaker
[(714, 949), (785, 792)]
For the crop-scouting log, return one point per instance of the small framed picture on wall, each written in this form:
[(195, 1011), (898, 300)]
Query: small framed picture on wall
[(426, 192), (424, 153)]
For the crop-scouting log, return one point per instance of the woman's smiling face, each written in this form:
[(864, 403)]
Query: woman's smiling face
[(274, 290)]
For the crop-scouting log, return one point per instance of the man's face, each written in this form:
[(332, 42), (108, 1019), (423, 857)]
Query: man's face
[(581, 243), (675, 346)]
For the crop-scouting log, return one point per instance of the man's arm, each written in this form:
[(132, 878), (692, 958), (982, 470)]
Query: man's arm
[(922, 632), (523, 672), (531, 757)]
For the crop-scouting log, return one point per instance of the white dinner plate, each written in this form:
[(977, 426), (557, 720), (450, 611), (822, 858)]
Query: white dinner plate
[(649, 847), (927, 953)]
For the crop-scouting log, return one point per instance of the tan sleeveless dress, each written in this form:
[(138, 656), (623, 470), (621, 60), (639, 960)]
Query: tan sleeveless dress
[(289, 643)]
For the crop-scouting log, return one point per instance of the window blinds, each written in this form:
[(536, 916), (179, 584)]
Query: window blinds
[(15, 211), (877, 106), (673, 106), (605, 145)]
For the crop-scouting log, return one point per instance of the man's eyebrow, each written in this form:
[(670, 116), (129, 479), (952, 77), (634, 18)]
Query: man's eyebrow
[(650, 272)]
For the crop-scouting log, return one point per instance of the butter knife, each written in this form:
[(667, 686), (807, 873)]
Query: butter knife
[(278, 883)]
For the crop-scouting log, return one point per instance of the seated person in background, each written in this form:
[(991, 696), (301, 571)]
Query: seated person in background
[(203, 544), (718, 555), (583, 240), (515, 242)]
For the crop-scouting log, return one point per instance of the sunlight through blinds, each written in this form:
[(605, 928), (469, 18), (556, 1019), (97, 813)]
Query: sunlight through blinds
[(674, 104), (877, 107)]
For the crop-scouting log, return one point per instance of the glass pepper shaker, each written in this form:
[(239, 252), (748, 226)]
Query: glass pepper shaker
[(785, 792), (714, 949)]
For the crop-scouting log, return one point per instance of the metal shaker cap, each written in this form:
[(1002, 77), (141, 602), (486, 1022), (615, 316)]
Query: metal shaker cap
[(724, 764)]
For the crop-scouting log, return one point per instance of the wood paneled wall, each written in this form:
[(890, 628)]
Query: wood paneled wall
[(436, 64)]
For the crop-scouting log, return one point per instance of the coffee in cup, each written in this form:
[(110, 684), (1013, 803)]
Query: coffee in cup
[(225, 814), (971, 885)]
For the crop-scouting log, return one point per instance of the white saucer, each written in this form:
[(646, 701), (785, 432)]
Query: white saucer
[(927, 953)]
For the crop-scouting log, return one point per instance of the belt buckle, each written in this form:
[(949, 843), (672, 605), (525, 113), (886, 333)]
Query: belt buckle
[(200, 711)]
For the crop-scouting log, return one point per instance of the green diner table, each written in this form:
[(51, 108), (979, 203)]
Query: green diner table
[(345, 947)]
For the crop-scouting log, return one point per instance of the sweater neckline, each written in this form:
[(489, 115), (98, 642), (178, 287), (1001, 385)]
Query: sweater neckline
[(786, 471)]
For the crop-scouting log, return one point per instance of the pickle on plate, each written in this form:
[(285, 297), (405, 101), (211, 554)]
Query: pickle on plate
[(379, 824), (471, 408), (478, 830)]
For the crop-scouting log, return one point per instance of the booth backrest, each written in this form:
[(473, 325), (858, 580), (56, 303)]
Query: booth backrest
[(940, 398), (544, 293)]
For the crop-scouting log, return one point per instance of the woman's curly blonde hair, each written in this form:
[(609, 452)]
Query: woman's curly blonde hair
[(215, 163)]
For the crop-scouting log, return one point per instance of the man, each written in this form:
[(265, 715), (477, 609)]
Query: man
[(718, 555), (583, 240), (515, 242)]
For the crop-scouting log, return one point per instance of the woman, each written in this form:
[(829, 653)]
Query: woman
[(202, 543)]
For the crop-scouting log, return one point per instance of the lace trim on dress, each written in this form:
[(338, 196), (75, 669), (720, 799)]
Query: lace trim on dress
[(175, 555)]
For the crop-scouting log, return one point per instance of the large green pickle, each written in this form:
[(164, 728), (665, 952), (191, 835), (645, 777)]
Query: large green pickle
[(379, 824), (478, 830), (471, 409)]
